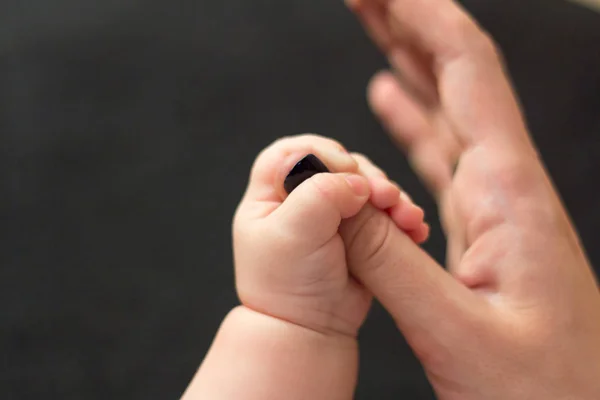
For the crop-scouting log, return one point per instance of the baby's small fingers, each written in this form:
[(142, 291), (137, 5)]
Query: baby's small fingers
[(407, 216), (367, 168), (266, 189), (312, 213), (421, 234), (276, 161), (410, 218), (384, 194)]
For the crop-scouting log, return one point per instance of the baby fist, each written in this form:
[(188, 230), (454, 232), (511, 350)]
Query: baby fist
[(290, 259)]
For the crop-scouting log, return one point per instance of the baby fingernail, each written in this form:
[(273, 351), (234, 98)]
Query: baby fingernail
[(340, 160), (303, 170)]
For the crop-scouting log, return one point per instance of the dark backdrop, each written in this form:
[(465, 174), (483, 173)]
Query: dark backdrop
[(127, 131)]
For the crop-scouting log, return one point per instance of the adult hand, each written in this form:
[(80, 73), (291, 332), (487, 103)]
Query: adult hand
[(517, 314)]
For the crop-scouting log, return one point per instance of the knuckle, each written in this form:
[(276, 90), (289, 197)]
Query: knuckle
[(367, 165), (288, 144), (281, 142), (471, 36), (460, 26), (285, 144), (516, 177), (459, 23), (484, 45), (300, 139), (361, 157), (263, 160), (313, 139), (275, 153), (335, 144)]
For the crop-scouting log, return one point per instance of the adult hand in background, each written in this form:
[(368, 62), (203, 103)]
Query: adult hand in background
[(517, 314)]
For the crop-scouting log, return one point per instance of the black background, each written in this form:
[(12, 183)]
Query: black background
[(128, 128)]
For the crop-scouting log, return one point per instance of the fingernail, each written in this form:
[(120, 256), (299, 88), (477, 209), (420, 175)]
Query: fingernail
[(303, 170), (359, 185), (339, 160)]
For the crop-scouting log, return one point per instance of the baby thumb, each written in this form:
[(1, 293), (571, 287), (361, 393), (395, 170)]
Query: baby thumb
[(318, 202)]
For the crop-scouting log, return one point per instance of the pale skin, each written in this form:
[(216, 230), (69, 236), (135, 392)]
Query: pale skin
[(517, 313), (295, 334)]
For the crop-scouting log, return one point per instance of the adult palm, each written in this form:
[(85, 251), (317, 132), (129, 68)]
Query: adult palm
[(517, 315)]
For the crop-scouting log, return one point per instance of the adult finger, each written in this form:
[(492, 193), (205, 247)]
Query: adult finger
[(471, 80), (429, 306), (413, 67), (413, 128)]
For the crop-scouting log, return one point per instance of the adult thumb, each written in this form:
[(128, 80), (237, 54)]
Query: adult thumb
[(429, 306)]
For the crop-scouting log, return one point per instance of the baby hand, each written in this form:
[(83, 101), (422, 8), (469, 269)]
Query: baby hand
[(290, 259)]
